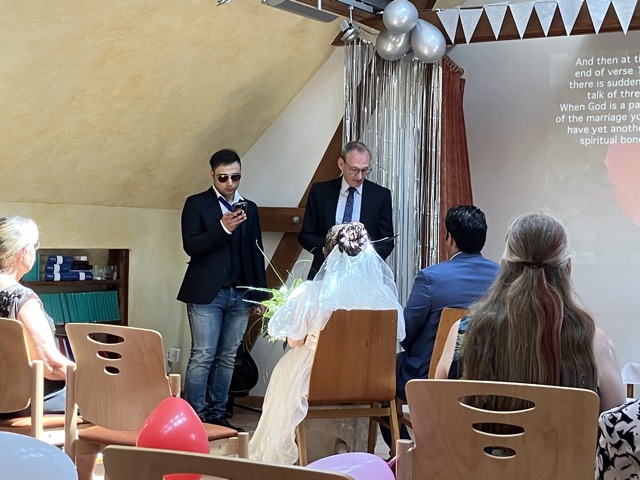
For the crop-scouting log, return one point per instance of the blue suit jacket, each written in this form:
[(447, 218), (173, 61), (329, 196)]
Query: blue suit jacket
[(455, 283)]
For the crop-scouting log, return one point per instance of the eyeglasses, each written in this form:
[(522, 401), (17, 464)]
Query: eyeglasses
[(355, 171), (223, 178)]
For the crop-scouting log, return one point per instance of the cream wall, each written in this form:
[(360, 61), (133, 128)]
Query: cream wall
[(157, 261)]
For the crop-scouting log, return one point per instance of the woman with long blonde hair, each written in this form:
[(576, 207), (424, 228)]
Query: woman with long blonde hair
[(529, 327)]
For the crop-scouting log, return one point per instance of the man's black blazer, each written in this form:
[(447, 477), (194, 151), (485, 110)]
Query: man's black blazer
[(320, 215), (209, 247)]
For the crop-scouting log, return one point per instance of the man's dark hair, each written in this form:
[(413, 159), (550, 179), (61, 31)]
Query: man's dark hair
[(468, 227), (224, 157)]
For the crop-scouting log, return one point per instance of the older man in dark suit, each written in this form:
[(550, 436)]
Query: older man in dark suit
[(221, 234), (348, 198)]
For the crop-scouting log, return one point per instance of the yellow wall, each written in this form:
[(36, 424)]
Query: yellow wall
[(157, 261)]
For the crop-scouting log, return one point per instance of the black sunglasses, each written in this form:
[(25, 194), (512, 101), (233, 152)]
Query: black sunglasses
[(223, 178)]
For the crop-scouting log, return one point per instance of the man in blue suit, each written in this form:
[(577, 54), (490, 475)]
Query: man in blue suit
[(345, 199), (221, 234), (457, 282)]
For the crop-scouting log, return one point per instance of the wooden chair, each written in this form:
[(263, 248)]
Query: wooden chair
[(354, 365), (557, 441), (126, 463), (21, 385), (448, 317), (118, 380)]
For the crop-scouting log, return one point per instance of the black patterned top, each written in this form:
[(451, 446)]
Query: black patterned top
[(13, 298)]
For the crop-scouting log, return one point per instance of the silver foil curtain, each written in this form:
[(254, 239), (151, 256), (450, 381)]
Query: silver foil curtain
[(394, 108)]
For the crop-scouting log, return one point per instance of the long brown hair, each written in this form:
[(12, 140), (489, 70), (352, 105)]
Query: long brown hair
[(529, 328)]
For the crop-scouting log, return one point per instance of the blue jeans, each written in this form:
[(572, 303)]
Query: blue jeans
[(216, 332)]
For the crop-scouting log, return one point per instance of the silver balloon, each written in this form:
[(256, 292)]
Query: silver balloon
[(428, 43), (400, 16), (392, 46)]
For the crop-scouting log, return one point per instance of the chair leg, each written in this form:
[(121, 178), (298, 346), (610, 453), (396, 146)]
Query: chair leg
[(395, 428), (403, 462), (302, 445), (373, 435), (243, 445)]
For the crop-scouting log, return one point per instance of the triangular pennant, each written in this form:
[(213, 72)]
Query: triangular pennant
[(545, 11), (624, 9), (521, 14), (597, 10), (495, 14), (469, 18), (569, 10), (449, 20)]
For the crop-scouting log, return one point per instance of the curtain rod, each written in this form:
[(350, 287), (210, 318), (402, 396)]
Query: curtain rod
[(453, 65)]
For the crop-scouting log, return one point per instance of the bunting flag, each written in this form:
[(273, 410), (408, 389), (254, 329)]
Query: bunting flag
[(521, 11), (624, 9), (569, 10), (521, 14), (545, 12), (449, 20), (469, 18), (597, 10), (495, 14)]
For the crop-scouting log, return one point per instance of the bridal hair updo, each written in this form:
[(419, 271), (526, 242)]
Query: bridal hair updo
[(351, 238), (14, 235)]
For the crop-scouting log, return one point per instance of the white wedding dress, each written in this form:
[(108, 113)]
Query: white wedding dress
[(343, 282)]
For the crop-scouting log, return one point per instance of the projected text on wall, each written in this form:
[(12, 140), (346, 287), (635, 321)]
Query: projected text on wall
[(601, 105)]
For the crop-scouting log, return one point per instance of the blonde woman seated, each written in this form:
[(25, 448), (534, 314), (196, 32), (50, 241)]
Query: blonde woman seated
[(529, 328), (353, 276), (18, 249)]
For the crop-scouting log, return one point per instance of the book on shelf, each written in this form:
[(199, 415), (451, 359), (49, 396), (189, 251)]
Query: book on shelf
[(82, 307), (70, 276)]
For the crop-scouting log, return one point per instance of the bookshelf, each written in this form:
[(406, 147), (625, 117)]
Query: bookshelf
[(70, 291)]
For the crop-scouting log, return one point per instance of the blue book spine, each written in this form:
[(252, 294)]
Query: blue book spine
[(67, 276), (59, 259), (57, 267)]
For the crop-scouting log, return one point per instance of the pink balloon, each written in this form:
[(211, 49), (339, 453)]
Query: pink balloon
[(361, 466), (174, 425)]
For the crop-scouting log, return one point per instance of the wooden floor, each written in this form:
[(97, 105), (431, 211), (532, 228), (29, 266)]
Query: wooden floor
[(249, 420)]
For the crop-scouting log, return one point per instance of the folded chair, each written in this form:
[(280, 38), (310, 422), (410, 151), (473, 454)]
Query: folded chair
[(355, 364), (126, 463), (118, 380), (555, 437), (21, 384)]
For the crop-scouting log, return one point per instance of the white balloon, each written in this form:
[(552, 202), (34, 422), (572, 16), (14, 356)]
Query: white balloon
[(400, 16), (392, 46), (28, 458), (428, 43)]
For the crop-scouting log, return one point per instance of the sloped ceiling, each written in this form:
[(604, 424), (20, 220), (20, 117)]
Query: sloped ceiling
[(121, 103)]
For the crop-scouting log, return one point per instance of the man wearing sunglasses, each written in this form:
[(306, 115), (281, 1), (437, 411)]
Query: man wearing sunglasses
[(221, 234), (348, 198)]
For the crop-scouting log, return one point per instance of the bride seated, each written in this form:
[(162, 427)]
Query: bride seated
[(353, 276)]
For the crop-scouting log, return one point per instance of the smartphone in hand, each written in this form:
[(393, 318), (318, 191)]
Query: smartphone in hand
[(240, 206)]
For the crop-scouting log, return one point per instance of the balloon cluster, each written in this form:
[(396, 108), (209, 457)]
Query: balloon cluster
[(405, 31)]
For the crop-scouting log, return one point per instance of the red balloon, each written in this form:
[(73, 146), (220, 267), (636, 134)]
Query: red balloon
[(174, 425)]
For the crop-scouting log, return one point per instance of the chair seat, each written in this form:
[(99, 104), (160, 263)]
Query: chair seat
[(48, 421), (106, 436)]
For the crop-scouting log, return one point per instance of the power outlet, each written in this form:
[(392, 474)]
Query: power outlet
[(174, 355)]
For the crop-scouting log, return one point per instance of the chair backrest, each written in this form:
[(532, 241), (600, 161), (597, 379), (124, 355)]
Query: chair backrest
[(355, 357), (15, 367), (128, 463), (117, 385), (557, 441), (448, 317)]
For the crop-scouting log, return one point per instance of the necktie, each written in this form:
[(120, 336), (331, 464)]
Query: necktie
[(348, 208), (226, 204)]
